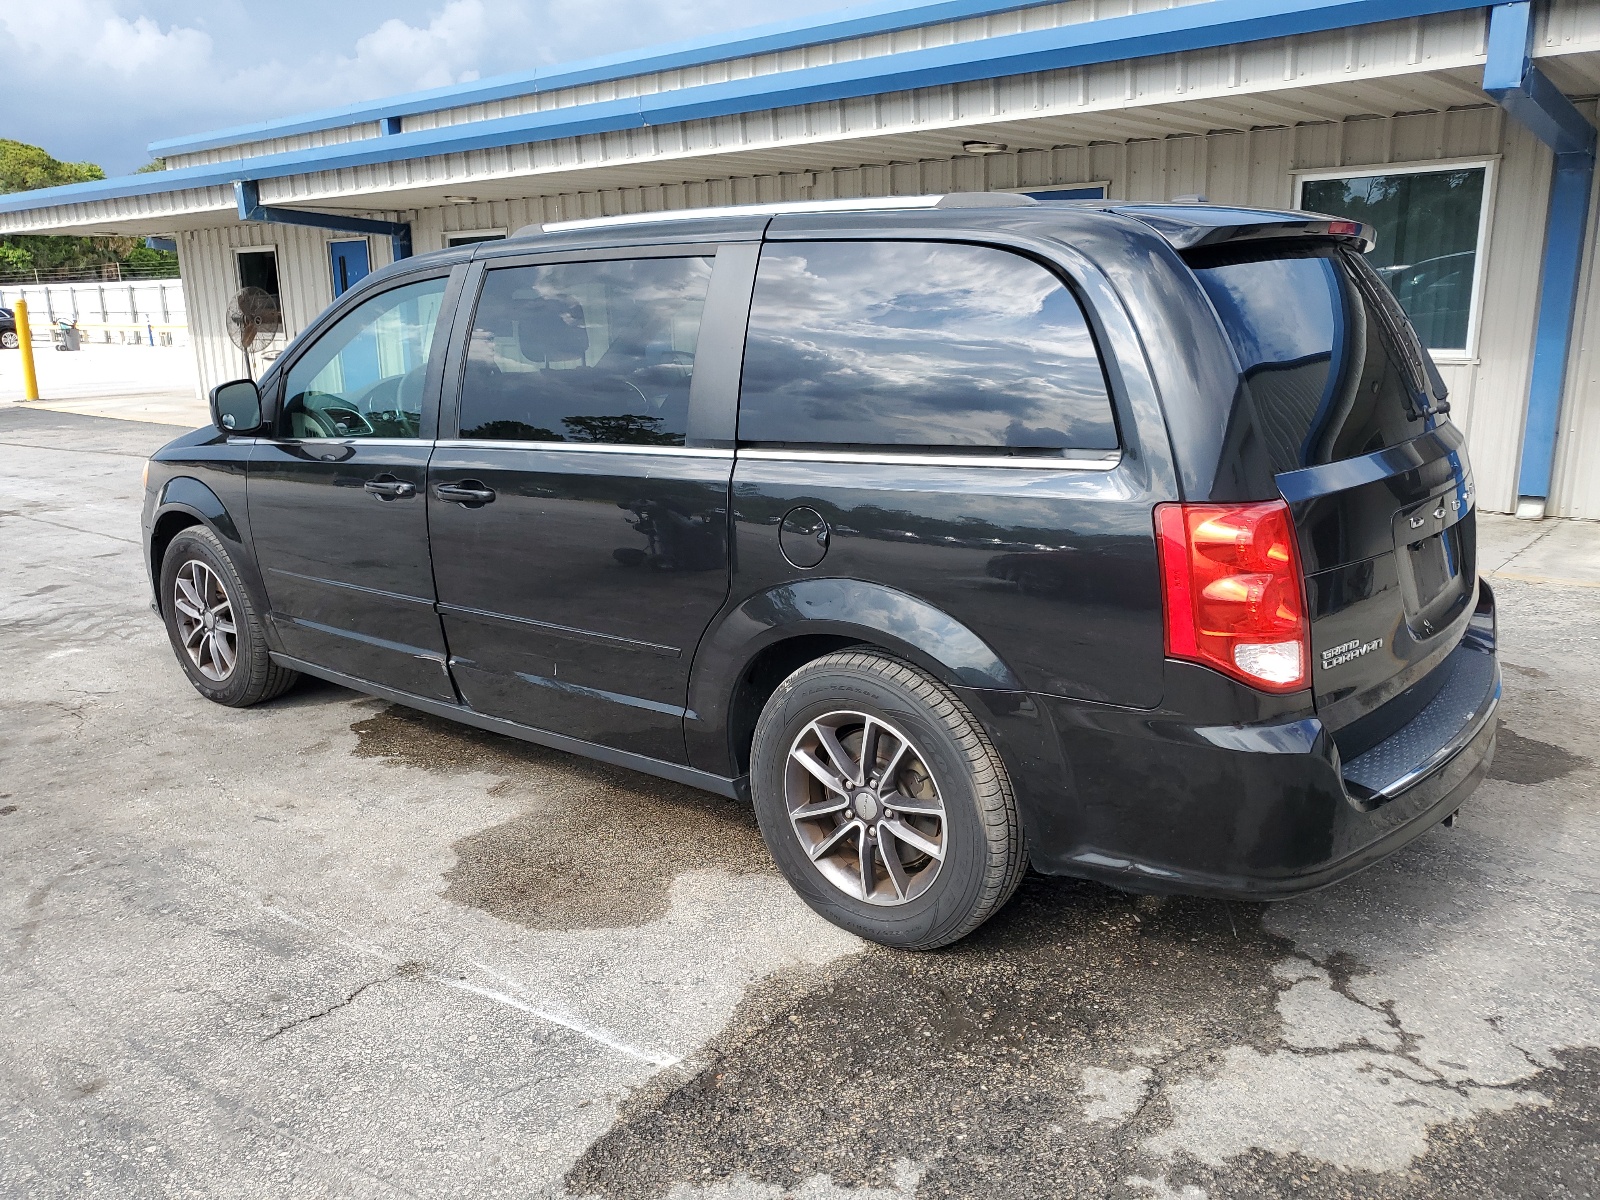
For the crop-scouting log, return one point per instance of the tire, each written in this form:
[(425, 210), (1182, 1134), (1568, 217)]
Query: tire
[(9, 340), (196, 564), (947, 764)]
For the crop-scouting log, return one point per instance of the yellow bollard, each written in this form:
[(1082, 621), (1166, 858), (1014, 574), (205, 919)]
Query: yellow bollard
[(30, 378)]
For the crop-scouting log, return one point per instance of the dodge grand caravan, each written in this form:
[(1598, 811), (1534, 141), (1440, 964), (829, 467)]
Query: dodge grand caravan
[(959, 535)]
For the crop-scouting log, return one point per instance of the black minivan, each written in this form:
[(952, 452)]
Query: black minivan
[(961, 535)]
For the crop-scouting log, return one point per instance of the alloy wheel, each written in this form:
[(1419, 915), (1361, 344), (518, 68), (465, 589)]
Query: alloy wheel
[(204, 617), (865, 807)]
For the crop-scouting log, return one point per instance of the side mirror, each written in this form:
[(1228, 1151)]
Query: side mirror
[(236, 406)]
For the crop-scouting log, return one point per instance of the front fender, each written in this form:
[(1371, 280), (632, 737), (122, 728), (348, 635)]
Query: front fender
[(188, 496), (850, 609)]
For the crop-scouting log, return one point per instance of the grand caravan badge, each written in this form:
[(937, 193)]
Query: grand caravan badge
[(1337, 656)]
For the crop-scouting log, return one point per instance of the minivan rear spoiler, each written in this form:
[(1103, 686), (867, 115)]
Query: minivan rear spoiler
[(1189, 226)]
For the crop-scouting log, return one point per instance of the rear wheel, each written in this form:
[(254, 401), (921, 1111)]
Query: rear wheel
[(9, 340), (214, 629), (884, 803)]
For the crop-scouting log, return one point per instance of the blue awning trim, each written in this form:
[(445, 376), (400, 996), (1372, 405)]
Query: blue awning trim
[(1193, 27), (1524, 91), (247, 195)]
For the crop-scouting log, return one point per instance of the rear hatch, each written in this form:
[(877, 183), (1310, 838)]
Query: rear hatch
[(1351, 413)]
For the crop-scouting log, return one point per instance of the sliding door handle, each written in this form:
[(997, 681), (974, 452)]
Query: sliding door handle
[(469, 493), (387, 487)]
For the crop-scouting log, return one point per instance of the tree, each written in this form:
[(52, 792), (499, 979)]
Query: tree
[(26, 168), (627, 429)]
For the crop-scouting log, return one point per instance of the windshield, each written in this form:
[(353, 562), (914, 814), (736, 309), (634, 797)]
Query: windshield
[(1330, 365)]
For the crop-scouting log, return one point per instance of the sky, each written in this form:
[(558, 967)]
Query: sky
[(98, 80)]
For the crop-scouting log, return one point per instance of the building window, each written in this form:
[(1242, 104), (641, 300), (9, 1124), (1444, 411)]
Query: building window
[(1430, 227), (259, 269), (474, 237)]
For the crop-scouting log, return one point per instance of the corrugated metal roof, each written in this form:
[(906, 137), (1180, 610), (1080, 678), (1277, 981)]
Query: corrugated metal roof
[(1201, 26), (861, 20)]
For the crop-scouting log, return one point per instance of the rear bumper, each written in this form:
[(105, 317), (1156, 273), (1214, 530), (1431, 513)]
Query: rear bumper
[(1256, 811)]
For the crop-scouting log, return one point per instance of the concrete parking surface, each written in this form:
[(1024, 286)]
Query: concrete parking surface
[(329, 947), (159, 384)]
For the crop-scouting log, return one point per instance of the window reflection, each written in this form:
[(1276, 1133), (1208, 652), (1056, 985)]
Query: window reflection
[(585, 352), (919, 344), (1427, 231)]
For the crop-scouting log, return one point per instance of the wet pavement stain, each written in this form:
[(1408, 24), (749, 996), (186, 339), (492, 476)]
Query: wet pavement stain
[(1519, 759), (1031, 1061), (967, 1062), (1546, 1151), (601, 848)]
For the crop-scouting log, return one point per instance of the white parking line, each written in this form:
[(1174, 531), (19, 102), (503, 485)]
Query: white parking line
[(594, 1033), (583, 1028)]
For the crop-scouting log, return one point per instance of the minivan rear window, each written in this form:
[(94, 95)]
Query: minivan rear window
[(1330, 366)]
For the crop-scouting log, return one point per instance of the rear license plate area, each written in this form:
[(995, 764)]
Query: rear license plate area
[(1437, 547), (1435, 564)]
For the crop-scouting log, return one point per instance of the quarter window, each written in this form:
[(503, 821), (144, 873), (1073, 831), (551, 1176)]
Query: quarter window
[(364, 377), (585, 352), (1427, 225), (919, 344)]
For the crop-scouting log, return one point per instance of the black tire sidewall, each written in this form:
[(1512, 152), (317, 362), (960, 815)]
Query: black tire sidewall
[(953, 894), (198, 543)]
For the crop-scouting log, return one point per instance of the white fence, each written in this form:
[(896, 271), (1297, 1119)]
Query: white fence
[(148, 311)]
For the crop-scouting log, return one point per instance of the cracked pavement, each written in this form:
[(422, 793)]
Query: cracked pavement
[(328, 947)]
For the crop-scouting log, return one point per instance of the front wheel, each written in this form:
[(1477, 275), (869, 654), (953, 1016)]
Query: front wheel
[(884, 803), (9, 340), (214, 629)]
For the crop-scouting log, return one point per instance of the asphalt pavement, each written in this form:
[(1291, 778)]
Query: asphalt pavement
[(330, 947)]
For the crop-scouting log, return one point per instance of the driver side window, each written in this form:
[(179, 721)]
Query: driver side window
[(364, 377)]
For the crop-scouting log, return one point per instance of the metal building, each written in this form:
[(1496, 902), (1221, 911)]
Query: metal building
[(1463, 131)]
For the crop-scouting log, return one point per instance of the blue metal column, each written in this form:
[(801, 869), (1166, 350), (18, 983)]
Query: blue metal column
[(1525, 92), (247, 193)]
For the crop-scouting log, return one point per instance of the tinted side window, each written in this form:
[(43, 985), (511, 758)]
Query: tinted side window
[(919, 344), (585, 352), (364, 377)]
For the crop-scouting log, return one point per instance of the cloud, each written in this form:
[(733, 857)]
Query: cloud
[(100, 79), (446, 50)]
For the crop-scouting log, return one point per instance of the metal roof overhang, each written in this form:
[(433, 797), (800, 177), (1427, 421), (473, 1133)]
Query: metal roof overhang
[(1193, 27), (397, 190), (862, 20), (379, 176)]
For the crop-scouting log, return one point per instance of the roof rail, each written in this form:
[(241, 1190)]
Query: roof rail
[(948, 200)]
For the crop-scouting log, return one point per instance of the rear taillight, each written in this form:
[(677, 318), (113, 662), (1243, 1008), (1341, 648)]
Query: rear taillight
[(1234, 601)]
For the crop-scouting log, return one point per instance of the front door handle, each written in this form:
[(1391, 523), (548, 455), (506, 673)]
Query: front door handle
[(468, 493), (387, 487)]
